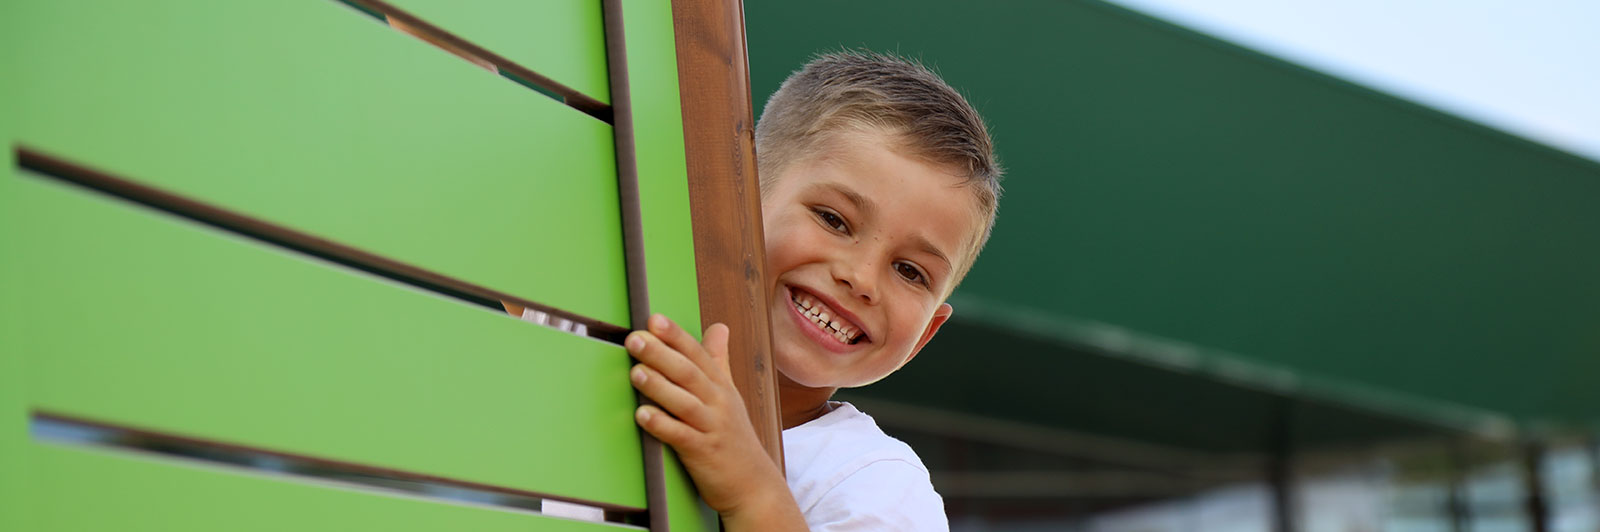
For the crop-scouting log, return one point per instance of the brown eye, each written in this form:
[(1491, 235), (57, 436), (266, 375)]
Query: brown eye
[(910, 273), (832, 220)]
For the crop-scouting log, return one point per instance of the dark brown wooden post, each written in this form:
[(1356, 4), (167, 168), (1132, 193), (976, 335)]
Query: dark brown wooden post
[(725, 198)]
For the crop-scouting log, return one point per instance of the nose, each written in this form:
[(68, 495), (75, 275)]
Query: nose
[(857, 277)]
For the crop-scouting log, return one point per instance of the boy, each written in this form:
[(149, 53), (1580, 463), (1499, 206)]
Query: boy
[(878, 189)]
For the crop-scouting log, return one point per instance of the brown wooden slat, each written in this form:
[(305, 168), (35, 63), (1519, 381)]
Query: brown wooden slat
[(725, 198)]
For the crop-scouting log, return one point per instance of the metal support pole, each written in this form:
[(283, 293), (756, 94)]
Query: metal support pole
[(1280, 466), (1460, 468), (1538, 507), (1592, 447)]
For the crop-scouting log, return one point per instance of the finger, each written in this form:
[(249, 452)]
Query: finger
[(680, 340), (664, 427), (717, 346), (650, 350), (668, 395)]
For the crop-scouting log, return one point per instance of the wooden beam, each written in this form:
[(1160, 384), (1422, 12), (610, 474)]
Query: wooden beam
[(725, 198)]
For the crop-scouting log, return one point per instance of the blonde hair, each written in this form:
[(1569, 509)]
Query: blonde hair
[(852, 91)]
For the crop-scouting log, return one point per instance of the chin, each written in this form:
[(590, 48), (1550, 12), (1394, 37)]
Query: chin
[(793, 370), (816, 377)]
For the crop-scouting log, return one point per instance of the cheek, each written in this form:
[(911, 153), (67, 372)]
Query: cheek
[(909, 323), (788, 242), (779, 249)]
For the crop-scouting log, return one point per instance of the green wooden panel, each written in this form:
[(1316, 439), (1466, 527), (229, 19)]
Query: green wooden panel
[(13, 413), (686, 512), (91, 489), (564, 40), (664, 205), (133, 317), (663, 177), (311, 115)]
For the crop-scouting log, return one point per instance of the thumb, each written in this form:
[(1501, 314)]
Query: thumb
[(716, 342)]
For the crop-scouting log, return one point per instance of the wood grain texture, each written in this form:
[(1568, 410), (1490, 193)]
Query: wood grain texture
[(725, 197)]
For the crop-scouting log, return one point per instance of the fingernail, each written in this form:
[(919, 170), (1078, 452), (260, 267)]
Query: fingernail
[(635, 342), (659, 323), (643, 415), (638, 375)]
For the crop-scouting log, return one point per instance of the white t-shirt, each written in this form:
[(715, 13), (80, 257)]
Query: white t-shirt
[(847, 475)]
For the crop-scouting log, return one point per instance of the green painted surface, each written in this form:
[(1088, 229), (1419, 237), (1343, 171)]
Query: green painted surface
[(309, 115), (564, 40), (664, 205), (686, 512), (1092, 393), (663, 178), (1166, 185), (348, 130), (137, 318), (14, 467), (87, 489)]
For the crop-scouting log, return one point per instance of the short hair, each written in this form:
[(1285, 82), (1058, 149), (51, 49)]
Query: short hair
[(866, 91)]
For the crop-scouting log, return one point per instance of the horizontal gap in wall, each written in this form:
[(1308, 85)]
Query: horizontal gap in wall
[(283, 237), (477, 55), (45, 426)]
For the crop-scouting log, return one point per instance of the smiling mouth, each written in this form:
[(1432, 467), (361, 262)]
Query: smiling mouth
[(825, 319)]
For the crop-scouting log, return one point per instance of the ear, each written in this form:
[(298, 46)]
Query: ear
[(940, 315)]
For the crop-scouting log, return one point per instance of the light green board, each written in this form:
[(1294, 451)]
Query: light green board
[(312, 115), (564, 40), (663, 181), (663, 187), (83, 489), (172, 327), (13, 411)]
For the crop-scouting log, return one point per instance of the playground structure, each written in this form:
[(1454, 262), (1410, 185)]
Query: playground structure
[(304, 223)]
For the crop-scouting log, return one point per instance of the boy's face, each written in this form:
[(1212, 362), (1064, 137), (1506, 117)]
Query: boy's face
[(868, 238)]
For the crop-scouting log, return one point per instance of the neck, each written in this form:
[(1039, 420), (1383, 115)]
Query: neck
[(799, 403)]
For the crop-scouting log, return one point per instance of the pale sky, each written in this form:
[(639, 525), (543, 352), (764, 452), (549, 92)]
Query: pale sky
[(1528, 67)]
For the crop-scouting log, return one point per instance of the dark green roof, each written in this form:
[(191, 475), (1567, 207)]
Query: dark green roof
[(1283, 233)]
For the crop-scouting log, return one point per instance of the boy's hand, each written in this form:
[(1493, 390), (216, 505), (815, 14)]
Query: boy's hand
[(701, 415)]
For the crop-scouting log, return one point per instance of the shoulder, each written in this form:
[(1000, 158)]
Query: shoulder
[(846, 474), (834, 446), (885, 495)]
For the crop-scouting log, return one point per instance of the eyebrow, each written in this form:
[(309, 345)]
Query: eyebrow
[(868, 207), (862, 203), (926, 246)]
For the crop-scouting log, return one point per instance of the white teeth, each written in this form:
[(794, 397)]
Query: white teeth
[(837, 327)]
